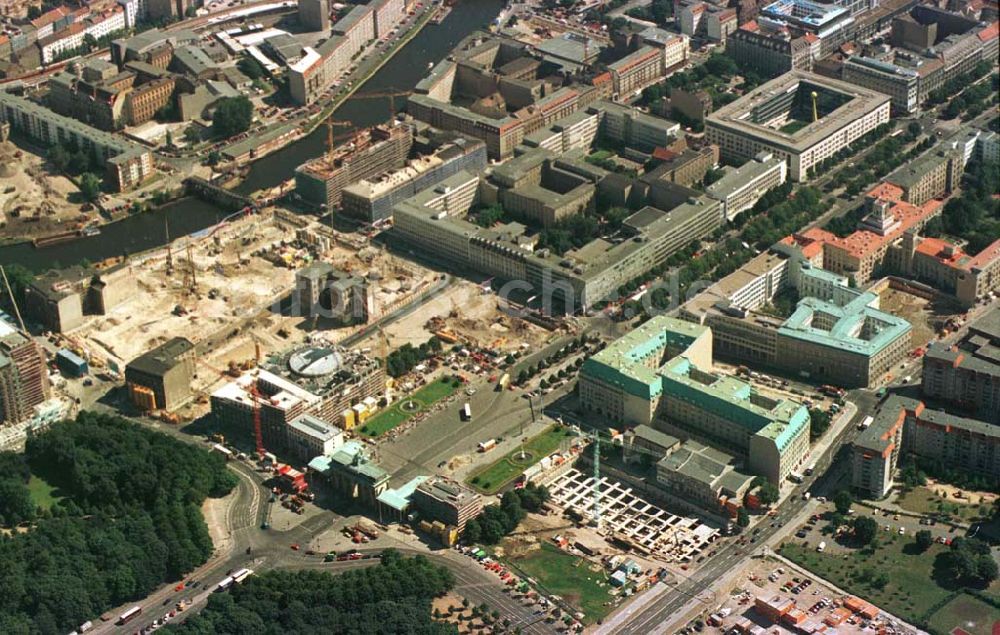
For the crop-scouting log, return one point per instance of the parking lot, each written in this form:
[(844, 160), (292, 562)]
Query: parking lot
[(771, 597)]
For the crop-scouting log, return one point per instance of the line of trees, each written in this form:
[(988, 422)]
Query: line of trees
[(130, 520), (496, 521), (406, 357), (393, 597), (975, 215)]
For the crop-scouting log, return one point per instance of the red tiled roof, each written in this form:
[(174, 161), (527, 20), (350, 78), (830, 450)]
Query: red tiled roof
[(751, 26), (987, 255), (990, 32), (49, 17)]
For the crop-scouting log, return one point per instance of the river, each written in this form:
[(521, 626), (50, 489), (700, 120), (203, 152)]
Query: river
[(402, 72), (148, 230)]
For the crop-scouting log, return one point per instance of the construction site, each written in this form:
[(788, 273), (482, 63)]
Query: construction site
[(466, 313), (625, 518), (35, 203), (227, 289)]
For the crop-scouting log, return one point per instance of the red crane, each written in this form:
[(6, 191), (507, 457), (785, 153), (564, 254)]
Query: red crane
[(255, 399)]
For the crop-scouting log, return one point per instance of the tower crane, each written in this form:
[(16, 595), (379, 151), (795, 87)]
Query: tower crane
[(255, 399), (390, 93)]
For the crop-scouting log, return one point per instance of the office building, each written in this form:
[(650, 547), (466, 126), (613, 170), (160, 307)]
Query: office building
[(373, 152), (161, 378), (799, 117), (831, 24), (699, 477), (836, 334), (637, 70), (660, 374), (439, 156), (24, 377), (333, 294), (901, 84), (740, 188), (771, 52), (310, 436), (106, 98), (687, 167), (434, 221), (442, 499), (949, 269), (128, 164)]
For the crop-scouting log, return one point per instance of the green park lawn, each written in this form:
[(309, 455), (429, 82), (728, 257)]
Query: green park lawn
[(966, 611), (922, 500), (570, 577), (42, 492), (912, 590), (492, 478), (394, 415)]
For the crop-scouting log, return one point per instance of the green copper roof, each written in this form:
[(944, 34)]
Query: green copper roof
[(626, 361), (855, 327)]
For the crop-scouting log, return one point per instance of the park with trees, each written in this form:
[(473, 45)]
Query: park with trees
[(393, 597), (123, 516)]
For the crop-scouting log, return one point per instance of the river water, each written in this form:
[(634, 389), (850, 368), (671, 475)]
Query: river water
[(148, 230)]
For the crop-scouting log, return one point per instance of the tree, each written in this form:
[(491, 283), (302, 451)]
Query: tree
[(923, 539), (865, 529), (742, 517), (214, 158), (913, 129), (90, 186), (842, 500), (768, 493), (232, 116)]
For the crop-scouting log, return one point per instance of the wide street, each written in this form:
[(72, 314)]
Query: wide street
[(697, 587)]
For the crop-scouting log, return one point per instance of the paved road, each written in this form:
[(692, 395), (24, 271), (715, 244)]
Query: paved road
[(697, 586)]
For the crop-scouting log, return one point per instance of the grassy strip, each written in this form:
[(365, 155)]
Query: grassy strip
[(394, 415), (492, 478)]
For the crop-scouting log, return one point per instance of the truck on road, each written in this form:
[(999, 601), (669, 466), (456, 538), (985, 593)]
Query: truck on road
[(486, 446), (466, 412)]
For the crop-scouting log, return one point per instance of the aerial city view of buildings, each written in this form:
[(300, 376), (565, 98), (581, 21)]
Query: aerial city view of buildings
[(625, 317)]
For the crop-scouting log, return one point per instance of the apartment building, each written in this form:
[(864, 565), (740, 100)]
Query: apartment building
[(128, 164), (875, 452), (357, 28), (24, 377), (770, 53), (967, 375)]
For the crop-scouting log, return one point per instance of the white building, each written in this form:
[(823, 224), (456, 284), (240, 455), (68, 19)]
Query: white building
[(742, 187)]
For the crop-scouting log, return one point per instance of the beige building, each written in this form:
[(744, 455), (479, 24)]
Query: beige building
[(445, 500), (739, 189), (777, 118)]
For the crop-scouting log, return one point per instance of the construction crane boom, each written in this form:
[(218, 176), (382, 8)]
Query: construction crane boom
[(390, 92), (255, 398)]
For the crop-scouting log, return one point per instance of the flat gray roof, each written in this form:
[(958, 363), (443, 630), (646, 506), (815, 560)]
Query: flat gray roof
[(734, 117)]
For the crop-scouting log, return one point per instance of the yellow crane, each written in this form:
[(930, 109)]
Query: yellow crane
[(390, 93)]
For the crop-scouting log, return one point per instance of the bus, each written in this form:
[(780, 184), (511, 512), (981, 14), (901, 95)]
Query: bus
[(225, 584), (467, 412), (242, 575), (129, 615), (504, 382)]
